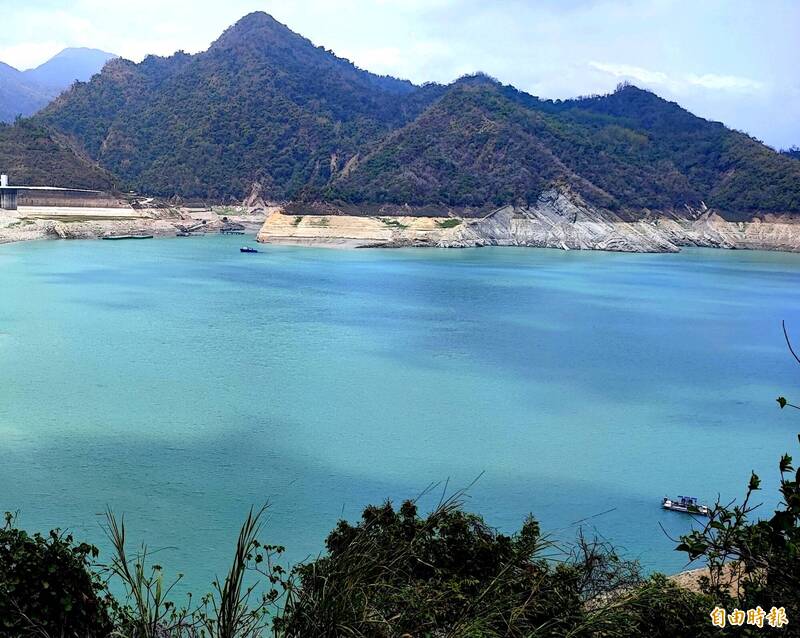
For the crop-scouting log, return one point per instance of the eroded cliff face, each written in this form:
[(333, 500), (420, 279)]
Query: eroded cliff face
[(558, 219), (712, 231)]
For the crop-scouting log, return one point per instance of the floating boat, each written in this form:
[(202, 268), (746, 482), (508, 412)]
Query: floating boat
[(117, 237), (685, 504), (247, 249)]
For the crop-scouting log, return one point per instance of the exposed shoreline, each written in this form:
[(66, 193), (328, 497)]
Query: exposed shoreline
[(557, 220), (31, 223)]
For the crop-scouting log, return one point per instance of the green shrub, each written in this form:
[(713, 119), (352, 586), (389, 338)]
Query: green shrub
[(239, 606), (47, 586), (661, 609), (449, 574), (393, 573), (393, 223)]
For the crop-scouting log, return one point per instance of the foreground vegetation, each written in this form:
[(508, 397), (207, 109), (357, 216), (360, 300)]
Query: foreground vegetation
[(397, 573)]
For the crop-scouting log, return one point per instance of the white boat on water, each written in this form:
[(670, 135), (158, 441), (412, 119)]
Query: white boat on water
[(685, 504)]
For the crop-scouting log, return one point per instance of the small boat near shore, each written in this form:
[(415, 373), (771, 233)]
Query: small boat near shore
[(119, 237), (686, 505), (247, 249)]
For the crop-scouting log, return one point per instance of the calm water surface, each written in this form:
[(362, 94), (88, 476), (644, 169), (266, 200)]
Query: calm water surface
[(179, 382)]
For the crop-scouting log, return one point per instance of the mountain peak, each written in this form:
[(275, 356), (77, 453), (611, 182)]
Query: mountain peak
[(259, 42), (75, 63), (257, 18), (259, 25), (627, 87), (25, 92), (81, 52), (478, 79)]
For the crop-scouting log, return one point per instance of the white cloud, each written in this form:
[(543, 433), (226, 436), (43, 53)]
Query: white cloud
[(679, 83), (632, 72), (725, 82)]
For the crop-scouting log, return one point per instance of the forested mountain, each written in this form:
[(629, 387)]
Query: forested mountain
[(262, 104), (265, 105), (487, 143), (25, 92), (34, 155)]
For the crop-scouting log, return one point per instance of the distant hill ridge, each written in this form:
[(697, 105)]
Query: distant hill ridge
[(22, 93), (70, 65), (263, 104)]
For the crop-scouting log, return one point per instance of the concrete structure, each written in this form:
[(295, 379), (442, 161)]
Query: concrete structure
[(8, 195), (13, 196)]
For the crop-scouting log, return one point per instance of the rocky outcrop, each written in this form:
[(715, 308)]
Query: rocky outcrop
[(710, 230), (558, 219), (255, 200)]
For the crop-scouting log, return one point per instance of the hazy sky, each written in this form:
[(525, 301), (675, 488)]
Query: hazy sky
[(737, 61)]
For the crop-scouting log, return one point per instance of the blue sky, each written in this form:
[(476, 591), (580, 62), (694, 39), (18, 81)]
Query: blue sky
[(735, 61)]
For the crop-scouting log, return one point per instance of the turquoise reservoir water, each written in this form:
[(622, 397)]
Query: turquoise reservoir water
[(179, 382)]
